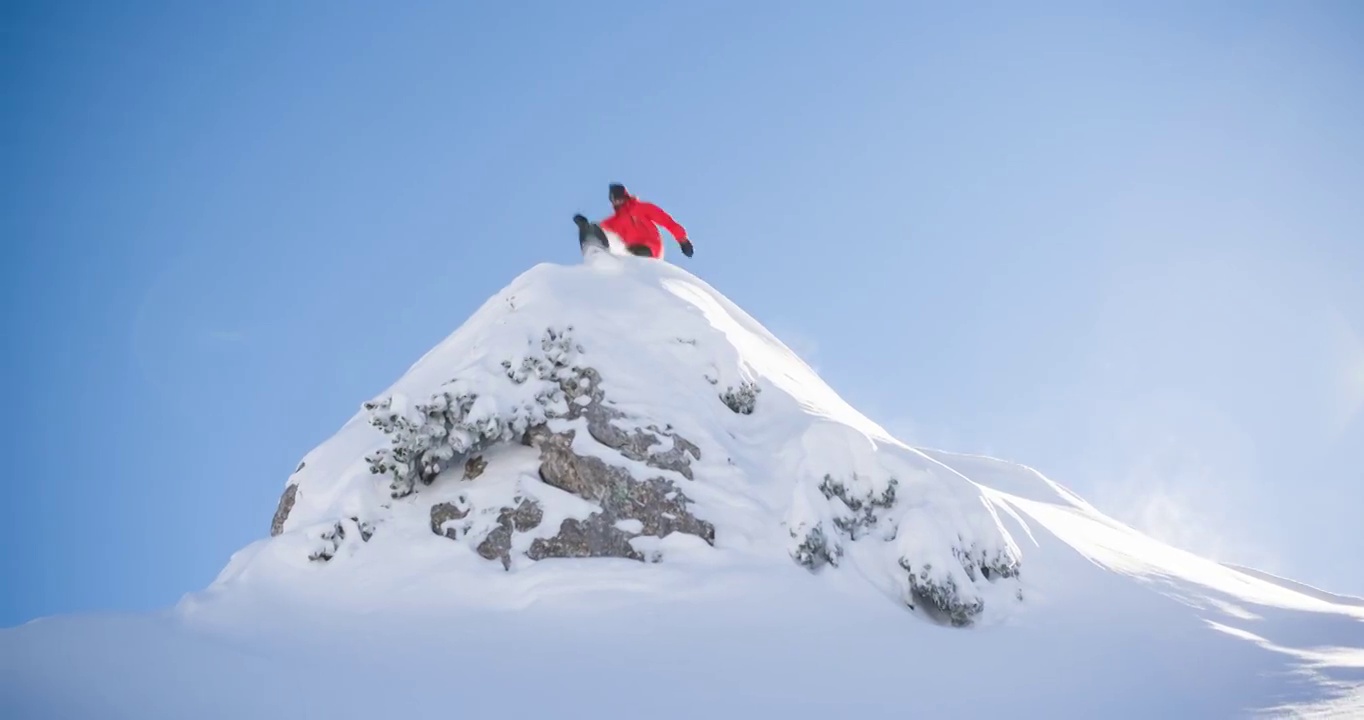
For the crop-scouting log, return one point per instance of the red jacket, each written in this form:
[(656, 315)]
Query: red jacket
[(634, 221)]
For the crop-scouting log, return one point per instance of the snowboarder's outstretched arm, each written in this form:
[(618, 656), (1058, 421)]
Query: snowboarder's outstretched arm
[(657, 215)]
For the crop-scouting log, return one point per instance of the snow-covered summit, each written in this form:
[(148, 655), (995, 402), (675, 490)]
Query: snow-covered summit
[(612, 493), (624, 408)]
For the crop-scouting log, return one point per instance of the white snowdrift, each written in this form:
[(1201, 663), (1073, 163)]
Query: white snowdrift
[(1080, 616)]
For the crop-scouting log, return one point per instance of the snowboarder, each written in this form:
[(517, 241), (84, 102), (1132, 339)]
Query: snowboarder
[(635, 222)]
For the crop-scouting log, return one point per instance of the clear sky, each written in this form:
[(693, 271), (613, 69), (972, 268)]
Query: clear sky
[(1121, 244)]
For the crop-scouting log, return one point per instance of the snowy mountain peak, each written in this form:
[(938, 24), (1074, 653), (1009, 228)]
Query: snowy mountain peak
[(625, 409), (610, 473)]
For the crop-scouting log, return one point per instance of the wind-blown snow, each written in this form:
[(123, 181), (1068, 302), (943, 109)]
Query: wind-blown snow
[(1078, 616)]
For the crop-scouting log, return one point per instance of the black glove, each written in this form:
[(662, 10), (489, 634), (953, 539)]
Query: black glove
[(686, 247), (579, 219)]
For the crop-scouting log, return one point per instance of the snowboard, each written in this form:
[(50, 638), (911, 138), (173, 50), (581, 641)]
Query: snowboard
[(590, 236)]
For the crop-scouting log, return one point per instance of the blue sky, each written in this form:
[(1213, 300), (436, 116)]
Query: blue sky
[(1123, 245)]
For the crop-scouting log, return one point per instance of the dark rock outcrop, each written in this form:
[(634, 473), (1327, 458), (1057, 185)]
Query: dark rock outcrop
[(442, 513), (594, 538), (286, 505), (656, 504), (497, 545), (586, 400), (629, 507), (565, 398)]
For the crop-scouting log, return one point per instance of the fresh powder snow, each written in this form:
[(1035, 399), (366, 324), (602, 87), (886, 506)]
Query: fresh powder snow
[(613, 493)]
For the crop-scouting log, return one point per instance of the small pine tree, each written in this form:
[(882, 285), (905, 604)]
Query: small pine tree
[(459, 420)]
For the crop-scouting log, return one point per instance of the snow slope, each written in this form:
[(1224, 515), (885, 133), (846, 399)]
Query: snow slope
[(847, 572)]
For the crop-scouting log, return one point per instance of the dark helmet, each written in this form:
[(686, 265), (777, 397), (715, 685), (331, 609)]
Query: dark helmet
[(617, 192)]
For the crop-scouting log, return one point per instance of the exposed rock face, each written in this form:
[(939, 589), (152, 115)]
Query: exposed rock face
[(286, 504), (656, 504), (594, 538), (474, 467), (442, 513), (497, 545), (586, 400), (630, 507)]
